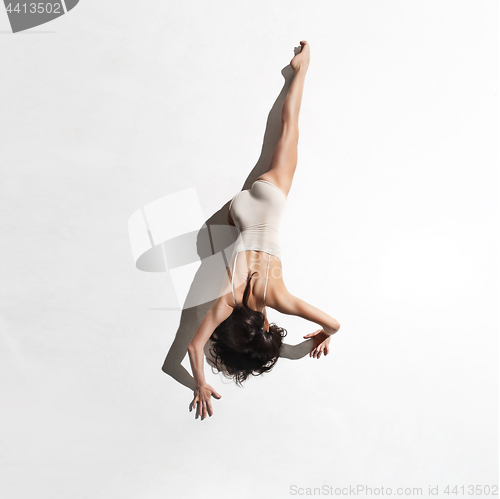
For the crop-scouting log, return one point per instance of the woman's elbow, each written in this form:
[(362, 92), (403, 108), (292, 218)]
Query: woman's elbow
[(334, 326), (195, 346)]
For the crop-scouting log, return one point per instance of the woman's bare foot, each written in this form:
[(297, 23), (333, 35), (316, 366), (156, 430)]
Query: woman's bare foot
[(301, 60)]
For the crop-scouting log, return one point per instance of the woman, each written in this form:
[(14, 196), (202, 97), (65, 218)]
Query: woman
[(244, 342)]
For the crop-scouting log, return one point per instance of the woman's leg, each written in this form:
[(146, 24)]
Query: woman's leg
[(284, 158)]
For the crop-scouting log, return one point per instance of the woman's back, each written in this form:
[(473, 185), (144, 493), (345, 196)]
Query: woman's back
[(266, 279)]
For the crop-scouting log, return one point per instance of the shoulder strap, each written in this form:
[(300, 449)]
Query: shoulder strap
[(267, 275), (232, 278)]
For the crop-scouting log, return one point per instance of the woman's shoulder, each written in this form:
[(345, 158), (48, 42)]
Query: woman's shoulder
[(275, 295), (225, 295)]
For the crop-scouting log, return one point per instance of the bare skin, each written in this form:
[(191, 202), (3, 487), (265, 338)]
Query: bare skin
[(281, 171)]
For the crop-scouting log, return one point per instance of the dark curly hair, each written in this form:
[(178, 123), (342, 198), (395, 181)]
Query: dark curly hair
[(240, 345)]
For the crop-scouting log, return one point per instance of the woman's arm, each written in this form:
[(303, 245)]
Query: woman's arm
[(218, 313), (288, 304), (203, 392)]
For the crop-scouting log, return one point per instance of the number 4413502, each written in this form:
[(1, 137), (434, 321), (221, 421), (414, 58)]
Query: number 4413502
[(475, 490), (35, 8)]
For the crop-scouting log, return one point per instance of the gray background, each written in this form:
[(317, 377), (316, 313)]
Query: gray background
[(391, 227)]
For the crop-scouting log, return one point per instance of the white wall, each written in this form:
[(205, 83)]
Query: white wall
[(391, 227)]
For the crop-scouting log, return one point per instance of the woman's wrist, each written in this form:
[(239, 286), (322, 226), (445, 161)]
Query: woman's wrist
[(196, 357)]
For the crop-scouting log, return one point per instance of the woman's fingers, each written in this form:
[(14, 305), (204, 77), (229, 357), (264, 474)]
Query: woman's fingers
[(319, 350), (209, 408), (193, 404), (202, 403), (310, 335)]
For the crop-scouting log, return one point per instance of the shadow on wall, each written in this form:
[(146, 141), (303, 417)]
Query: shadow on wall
[(183, 245)]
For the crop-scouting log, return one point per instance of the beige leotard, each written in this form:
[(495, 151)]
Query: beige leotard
[(256, 212)]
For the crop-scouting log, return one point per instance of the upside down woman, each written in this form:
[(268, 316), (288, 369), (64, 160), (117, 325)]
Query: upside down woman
[(243, 341)]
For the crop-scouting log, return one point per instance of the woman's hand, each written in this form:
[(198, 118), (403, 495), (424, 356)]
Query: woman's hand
[(202, 396), (321, 343)]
